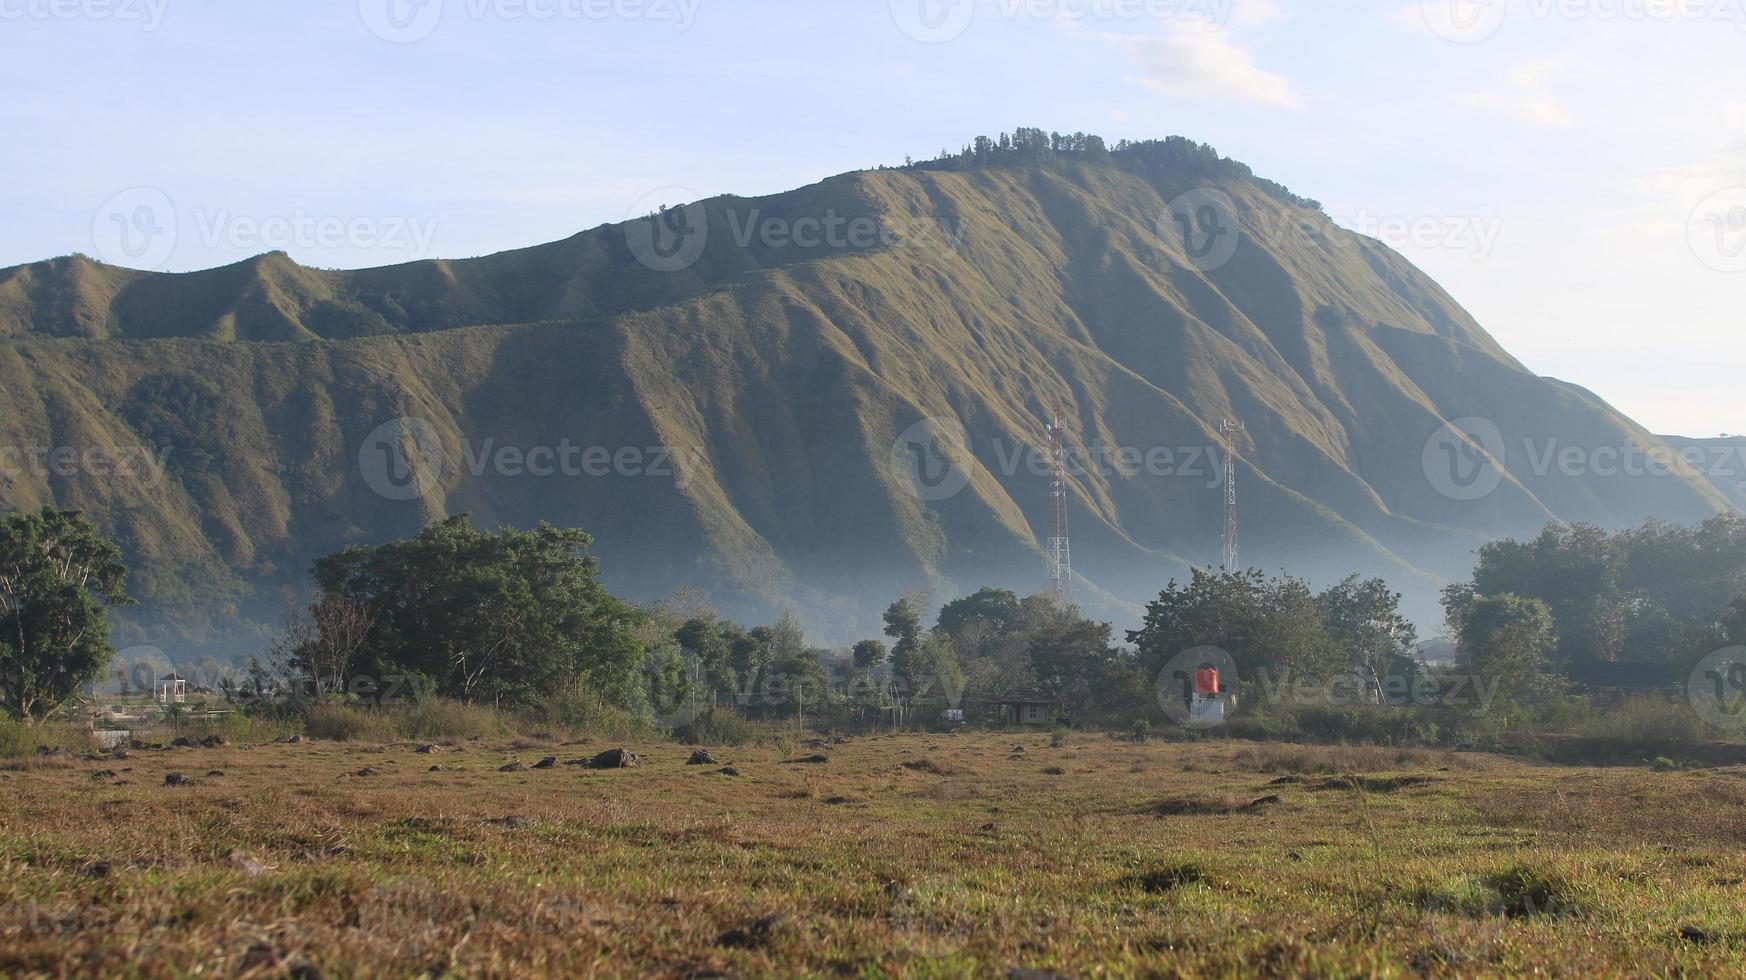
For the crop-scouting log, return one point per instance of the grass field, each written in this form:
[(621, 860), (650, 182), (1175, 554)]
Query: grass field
[(903, 856)]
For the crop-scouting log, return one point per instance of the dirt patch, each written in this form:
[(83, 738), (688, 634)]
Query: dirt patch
[(1205, 806), (1374, 784)]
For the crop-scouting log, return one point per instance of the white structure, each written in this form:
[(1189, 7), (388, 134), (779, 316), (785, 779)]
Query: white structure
[(172, 689)]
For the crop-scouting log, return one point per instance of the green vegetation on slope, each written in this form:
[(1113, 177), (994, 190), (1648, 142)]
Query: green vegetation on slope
[(778, 376)]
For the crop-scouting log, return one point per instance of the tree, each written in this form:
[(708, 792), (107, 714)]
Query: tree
[(57, 575), (997, 607), (799, 680), (510, 617), (1657, 591), (929, 672), (704, 640), (903, 621), (1293, 637), (1506, 639), (321, 641), (1734, 626), (787, 639), (1364, 620), (869, 654), (1075, 664)]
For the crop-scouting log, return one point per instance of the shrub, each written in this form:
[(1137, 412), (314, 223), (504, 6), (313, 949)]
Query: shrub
[(585, 711), (342, 723), (18, 739), (436, 718), (718, 726), (236, 726), (1651, 724)]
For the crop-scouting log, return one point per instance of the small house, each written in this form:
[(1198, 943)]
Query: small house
[(1026, 706)]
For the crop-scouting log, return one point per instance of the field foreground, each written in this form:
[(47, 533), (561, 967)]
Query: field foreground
[(966, 855)]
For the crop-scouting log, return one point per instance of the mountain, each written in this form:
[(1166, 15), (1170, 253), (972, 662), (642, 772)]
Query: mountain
[(734, 394)]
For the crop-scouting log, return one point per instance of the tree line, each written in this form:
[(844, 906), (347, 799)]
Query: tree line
[(1174, 156), (519, 619)]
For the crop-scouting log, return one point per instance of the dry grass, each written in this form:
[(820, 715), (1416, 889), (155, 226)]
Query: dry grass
[(1140, 860)]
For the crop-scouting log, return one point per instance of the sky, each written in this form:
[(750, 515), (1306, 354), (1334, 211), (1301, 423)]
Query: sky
[(1572, 171)]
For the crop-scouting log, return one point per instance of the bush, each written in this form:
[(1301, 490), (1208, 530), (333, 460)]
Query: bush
[(583, 711), (1372, 724), (718, 726), (442, 718), (430, 719), (18, 739), (342, 723), (1652, 724), (236, 726)]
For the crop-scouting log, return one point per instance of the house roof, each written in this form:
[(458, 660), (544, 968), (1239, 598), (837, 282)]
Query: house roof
[(1025, 696)]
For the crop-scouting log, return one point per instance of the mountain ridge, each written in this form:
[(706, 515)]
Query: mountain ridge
[(785, 375)]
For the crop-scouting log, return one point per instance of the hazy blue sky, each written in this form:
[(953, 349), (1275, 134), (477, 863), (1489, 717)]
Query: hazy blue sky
[(1575, 170)]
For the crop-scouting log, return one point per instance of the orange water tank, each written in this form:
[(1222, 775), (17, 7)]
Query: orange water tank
[(1206, 681)]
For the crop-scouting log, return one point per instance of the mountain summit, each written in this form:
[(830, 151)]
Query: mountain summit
[(817, 399)]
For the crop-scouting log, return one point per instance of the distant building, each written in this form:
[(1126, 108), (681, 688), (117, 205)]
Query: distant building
[(172, 689), (1026, 706)]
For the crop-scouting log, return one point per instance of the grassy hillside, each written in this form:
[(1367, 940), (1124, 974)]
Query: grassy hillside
[(778, 377)]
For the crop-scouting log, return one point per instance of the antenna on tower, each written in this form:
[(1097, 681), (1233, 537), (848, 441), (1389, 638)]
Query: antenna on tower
[(1060, 555), (1230, 428)]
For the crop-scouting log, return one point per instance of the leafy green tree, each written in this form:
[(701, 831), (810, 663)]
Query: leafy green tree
[(1075, 664), (869, 654), (704, 640), (1364, 620), (1506, 639), (787, 639), (1293, 636), (1657, 591), (748, 652), (57, 575), (1735, 624), (1222, 609), (929, 671), (798, 680), (903, 623), (998, 608), (511, 617)]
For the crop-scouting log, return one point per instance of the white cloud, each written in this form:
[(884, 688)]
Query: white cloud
[(1195, 57), (1457, 20), (1529, 98), (1255, 13)]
